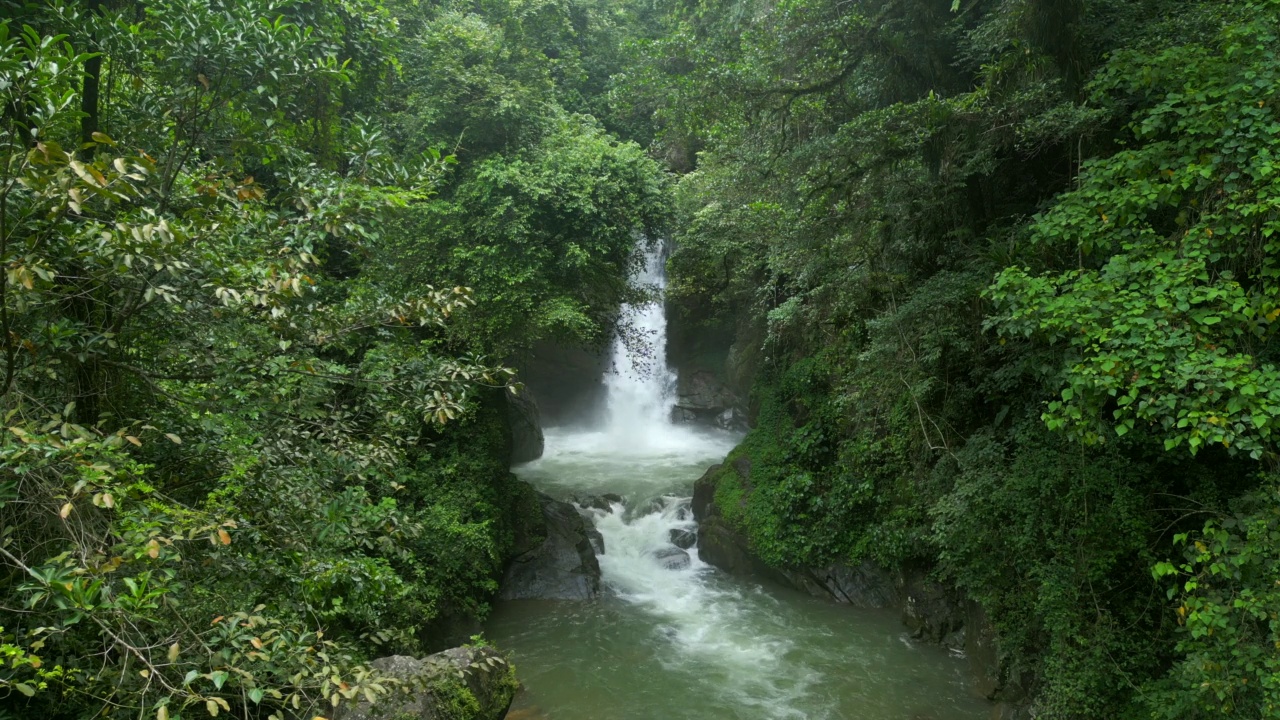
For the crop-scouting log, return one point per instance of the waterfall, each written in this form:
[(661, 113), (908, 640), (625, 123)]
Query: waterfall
[(638, 453), (633, 449), (674, 638), (640, 387)]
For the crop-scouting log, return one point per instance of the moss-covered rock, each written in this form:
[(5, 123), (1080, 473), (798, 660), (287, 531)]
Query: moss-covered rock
[(462, 683), (562, 566)]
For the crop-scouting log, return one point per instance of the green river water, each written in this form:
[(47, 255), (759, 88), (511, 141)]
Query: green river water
[(695, 642)]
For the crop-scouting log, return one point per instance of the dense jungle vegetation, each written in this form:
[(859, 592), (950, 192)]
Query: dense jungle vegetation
[(1000, 279), (1005, 274), (264, 262)]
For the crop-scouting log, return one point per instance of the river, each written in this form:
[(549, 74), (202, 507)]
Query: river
[(675, 641)]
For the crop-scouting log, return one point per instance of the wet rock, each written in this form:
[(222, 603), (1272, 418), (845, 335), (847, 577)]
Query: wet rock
[(661, 504), (568, 381), (596, 539), (704, 493), (931, 611), (723, 547), (673, 558), (563, 566), (863, 586), (683, 539), (702, 399), (719, 543), (528, 526), (432, 686), (702, 389), (954, 641), (997, 678), (681, 415), (603, 502), (527, 441)]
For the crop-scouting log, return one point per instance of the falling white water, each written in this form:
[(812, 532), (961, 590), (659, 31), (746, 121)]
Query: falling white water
[(640, 387), (636, 451), (676, 638)]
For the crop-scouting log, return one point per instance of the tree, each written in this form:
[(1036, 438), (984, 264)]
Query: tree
[(155, 302)]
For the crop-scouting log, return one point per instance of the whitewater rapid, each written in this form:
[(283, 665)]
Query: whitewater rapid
[(675, 638)]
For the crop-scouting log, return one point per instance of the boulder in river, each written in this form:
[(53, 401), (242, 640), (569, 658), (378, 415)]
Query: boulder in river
[(673, 558), (597, 540), (603, 502), (704, 493), (563, 566), (683, 539), (473, 682), (662, 504), (719, 543), (722, 546)]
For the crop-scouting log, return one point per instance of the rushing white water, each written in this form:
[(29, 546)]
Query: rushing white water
[(640, 386), (712, 626), (636, 452), (677, 638)]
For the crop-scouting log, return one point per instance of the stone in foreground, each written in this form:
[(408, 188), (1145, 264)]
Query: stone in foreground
[(471, 682)]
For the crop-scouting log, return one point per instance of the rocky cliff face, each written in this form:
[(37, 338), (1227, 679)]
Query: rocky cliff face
[(567, 381), (701, 399), (931, 611), (525, 420)]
